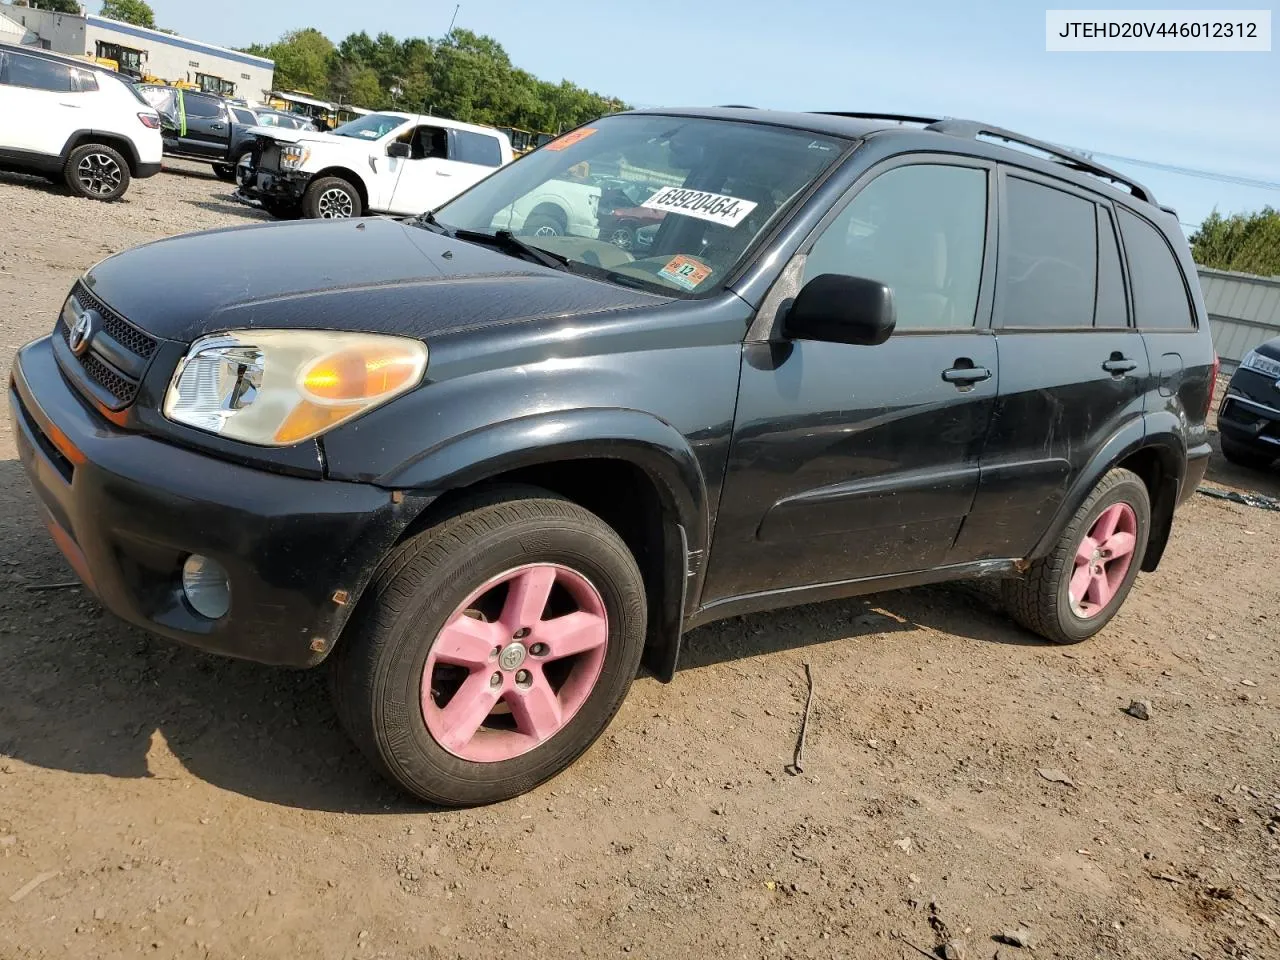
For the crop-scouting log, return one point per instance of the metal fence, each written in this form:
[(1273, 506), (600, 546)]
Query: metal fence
[(1244, 311)]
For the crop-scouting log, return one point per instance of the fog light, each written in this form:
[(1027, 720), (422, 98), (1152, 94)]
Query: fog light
[(206, 586)]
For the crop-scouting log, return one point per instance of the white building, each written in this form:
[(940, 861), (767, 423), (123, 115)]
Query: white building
[(147, 53)]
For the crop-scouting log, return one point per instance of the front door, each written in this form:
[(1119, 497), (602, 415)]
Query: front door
[(1072, 367), (425, 178), (208, 130), (857, 461)]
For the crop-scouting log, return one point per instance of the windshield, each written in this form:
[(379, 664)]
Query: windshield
[(672, 203), (375, 126)]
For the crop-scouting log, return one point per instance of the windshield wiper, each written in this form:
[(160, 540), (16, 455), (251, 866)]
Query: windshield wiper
[(428, 220), (508, 242)]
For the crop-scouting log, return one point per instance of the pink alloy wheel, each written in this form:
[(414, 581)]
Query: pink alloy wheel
[(1102, 560), (514, 662)]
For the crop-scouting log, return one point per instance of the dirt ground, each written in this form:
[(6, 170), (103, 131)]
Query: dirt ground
[(962, 779)]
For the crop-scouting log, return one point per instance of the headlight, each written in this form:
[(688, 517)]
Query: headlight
[(293, 156), (1260, 364), (278, 387)]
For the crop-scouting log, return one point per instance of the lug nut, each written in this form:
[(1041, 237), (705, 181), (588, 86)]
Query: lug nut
[(520, 634), (538, 649), (522, 676), (495, 680)]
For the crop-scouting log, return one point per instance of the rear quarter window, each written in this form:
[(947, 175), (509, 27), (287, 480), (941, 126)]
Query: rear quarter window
[(1160, 299), (478, 148)]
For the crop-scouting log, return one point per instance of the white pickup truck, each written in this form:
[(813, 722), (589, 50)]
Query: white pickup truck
[(388, 162)]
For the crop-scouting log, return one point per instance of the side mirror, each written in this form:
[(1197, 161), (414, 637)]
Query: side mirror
[(399, 150), (842, 309)]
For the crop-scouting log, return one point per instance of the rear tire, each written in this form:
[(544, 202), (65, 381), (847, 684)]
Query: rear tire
[(386, 672), (96, 172), (331, 198), (1244, 455), (544, 225), (1060, 597)]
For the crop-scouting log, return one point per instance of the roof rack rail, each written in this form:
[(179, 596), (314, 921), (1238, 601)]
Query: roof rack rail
[(737, 106), (896, 117), (973, 130)]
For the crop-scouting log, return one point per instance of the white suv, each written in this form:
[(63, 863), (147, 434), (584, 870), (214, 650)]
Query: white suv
[(74, 122), (386, 162)]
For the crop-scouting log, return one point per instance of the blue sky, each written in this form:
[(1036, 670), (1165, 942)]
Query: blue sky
[(1213, 111)]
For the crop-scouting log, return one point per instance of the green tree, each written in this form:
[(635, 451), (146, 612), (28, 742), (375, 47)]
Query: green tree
[(303, 59), (1246, 243), (137, 12), (58, 6)]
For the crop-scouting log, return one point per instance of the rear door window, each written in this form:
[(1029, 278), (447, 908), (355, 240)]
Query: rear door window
[(478, 148), (1049, 258), (1159, 291), (37, 73)]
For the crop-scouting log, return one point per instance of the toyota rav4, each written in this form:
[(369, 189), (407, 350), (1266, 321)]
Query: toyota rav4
[(486, 475)]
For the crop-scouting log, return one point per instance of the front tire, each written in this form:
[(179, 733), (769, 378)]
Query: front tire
[(492, 649), (331, 198), (224, 172), (1243, 455), (1071, 594), (96, 172)]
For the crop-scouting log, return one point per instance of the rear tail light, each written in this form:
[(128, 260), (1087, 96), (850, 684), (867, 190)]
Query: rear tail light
[(1213, 379), (150, 121)]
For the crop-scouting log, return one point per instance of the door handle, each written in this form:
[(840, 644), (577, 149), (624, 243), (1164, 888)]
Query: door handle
[(441, 173), (1119, 365), (73, 106), (964, 376), (215, 126)]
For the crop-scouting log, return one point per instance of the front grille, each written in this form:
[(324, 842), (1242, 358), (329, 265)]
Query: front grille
[(270, 159), (115, 388), (120, 329)]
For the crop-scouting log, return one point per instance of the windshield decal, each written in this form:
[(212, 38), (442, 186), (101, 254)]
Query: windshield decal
[(685, 272), (715, 207), (569, 139)]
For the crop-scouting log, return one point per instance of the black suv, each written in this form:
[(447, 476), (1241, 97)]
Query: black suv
[(485, 474), (1249, 418)]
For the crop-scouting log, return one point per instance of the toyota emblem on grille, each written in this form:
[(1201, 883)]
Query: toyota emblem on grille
[(82, 332)]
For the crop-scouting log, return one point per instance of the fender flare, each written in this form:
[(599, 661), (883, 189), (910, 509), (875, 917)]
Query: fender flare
[(130, 151), (641, 439), (1159, 432)]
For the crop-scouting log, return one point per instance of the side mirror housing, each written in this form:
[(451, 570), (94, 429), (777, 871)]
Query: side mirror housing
[(842, 309), (399, 150)]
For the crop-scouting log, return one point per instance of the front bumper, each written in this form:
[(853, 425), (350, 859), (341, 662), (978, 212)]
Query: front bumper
[(264, 187), (127, 509), (1250, 420)]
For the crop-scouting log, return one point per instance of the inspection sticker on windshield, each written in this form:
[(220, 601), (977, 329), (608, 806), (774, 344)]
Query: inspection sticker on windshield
[(570, 138), (715, 207), (685, 272)]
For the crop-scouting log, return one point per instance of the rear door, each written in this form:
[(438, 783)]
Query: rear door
[(1072, 367), (38, 105), (857, 461), (208, 132)]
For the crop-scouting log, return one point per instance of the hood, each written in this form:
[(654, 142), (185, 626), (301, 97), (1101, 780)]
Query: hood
[(287, 135), (1270, 349), (374, 275)]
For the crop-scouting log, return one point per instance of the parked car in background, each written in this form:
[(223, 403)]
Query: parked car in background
[(284, 120), (622, 216), (75, 123), (380, 163), (485, 475), (564, 206), (1249, 417), (204, 127)]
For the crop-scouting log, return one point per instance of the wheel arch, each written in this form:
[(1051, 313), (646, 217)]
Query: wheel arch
[(351, 176), (122, 144), (1152, 447), (633, 470), (552, 209)]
